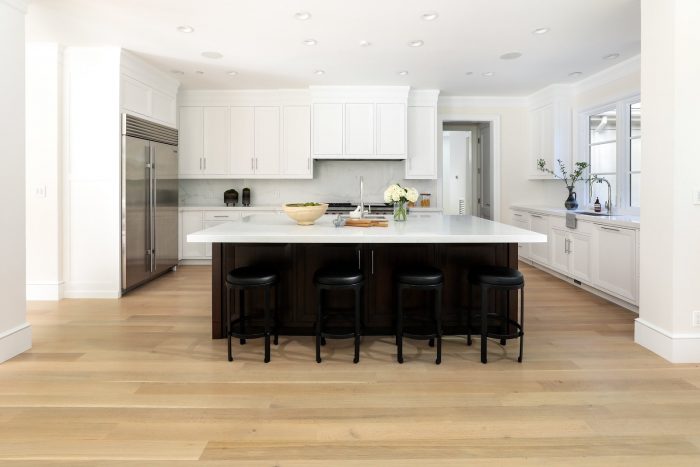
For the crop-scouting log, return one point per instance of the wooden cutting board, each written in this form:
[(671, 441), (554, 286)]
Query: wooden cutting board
[(367, 223)]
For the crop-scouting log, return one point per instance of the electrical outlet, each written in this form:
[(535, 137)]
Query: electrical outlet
[(276, 195), (696, 318)]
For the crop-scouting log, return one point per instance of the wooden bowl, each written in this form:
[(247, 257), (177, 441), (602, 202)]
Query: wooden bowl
[(305, 215)]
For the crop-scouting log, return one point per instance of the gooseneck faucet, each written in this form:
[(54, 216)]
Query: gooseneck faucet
[(608, 203)]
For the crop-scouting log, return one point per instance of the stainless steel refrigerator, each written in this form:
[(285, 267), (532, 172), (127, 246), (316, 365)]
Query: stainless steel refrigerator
[(149, 201)]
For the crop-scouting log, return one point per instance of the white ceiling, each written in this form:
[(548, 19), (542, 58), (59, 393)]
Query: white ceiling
[(262, 41)]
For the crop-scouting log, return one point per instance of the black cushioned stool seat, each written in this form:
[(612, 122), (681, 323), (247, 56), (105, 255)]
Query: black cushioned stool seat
[(499, 279), (338, 278), (242, 279), (422, 278)]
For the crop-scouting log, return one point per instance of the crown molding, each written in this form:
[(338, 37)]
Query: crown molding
[(483, 101), (19, 5), (615, 72)]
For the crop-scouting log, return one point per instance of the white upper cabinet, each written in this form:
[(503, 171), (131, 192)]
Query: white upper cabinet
[(421, 158), (216, 140), (146, 91), (191, 140), (550, 135), (267, 140), (391, 131), (359, 129), (296, 141), (328, 130), (242, 141)]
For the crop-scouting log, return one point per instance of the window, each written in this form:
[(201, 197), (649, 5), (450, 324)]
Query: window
[(614, 151)]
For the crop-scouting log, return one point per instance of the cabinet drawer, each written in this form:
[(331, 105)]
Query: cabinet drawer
[(221, 216)]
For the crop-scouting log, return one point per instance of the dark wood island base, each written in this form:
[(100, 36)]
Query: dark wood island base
[(296, 263)]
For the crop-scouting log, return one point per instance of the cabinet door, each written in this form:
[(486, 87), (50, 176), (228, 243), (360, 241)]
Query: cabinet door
[(539, 251), (520, 221), (421, 160), (267, 140), (614, 260), (296, 140), (391, 130), (580, 256), (191, 222), (359, 129), (242, 141), (207, 246), (547, 135), (328, 129), (559, 250), (216, 140), (191, 140)]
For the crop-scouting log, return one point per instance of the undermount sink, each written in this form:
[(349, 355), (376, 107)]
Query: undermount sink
[(373, 216), (598, 214)]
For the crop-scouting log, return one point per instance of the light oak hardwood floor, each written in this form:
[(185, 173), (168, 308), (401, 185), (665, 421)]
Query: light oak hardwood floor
[(138, 381)]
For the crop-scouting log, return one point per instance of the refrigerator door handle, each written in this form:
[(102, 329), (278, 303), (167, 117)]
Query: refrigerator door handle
[(152, 207)]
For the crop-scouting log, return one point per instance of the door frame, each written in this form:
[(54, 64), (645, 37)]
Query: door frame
[(495, 162)]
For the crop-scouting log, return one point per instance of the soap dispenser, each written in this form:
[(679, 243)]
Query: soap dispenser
[(596, 205)]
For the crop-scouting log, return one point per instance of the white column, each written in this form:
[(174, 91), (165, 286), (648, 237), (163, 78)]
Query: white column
[(670, 219), (15, 332)]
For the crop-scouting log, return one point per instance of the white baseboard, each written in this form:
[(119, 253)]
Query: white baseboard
[(676, 348), (15, 341), (91, 290), (45, 291)]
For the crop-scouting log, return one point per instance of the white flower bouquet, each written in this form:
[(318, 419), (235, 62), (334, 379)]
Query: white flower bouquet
[(400, 196)]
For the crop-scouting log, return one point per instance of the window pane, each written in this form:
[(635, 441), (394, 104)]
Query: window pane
[(635, 189), (635, 155), (602, 127), (604, 158), (600, 190), (636, 119)]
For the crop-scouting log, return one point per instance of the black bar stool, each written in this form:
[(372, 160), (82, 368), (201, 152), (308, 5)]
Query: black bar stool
[(243, 279), (336, 279), (422, 278), (498, 279)]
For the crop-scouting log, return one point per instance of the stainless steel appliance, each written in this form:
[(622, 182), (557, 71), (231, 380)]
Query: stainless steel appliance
[(149, 200)]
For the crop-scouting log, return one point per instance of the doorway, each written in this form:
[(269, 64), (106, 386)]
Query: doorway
[(467, 168)]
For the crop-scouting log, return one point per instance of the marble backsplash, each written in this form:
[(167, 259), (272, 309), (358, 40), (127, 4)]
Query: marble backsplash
[(334, 181)]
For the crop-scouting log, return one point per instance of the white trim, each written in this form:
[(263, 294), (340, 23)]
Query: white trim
[(676, 348), (19, 5), (615, 72), (41, 291), (142, 71), (89, 290), (483, 101), (15, 341), (495, 121)]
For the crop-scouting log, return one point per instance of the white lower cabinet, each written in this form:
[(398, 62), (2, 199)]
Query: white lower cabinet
[(539, 252), (191, 222), (570, 253), (614, 261), (522, 221)]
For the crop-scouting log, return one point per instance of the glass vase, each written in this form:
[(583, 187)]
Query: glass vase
[(400, 212)]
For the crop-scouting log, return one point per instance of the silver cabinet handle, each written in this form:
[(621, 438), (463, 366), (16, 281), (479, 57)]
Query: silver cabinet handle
[(226, 217), (609, 228), (359, 260), (517, 215), (535, 215)]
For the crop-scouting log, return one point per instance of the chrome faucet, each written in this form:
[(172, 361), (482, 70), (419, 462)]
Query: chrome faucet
[(608, 203), (362, 197)]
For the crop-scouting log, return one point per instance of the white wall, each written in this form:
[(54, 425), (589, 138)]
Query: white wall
[(670, 251), (92, 173), (44, 180), (15, 332)]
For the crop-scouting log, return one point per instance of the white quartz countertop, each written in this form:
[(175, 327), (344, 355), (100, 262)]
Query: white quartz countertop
[(420, 228), (620, 220), (221, 207)]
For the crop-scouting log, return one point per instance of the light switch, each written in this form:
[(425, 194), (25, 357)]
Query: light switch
[(696, 196), (40, 191)]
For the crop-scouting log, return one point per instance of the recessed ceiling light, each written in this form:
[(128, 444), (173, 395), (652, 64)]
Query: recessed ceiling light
[(488, 74), (416, 43), (310, 42), (185, 29), (319, 72), (576, 73), (403, 72), (469, 73), (302, 15), (611, 56), (177, 72), (199, 72), (365, 43), (232, 73), (430, 16), (541, 31), (511, 56), (212, 55)]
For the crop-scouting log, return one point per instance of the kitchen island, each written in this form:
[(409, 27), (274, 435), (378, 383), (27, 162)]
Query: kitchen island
[(451, 243)]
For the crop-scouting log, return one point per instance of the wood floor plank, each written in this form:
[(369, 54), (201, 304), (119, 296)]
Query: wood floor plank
[(138, 381)]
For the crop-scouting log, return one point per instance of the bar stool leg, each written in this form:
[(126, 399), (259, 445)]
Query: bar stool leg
[(319, 315), (431, 341), (399, 324), (522, 323), (469, 313), (276, 316), (228, 321), (242, 302), (438, 323), (506, 315), (267, 324), (357, 325), (484, 321)]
